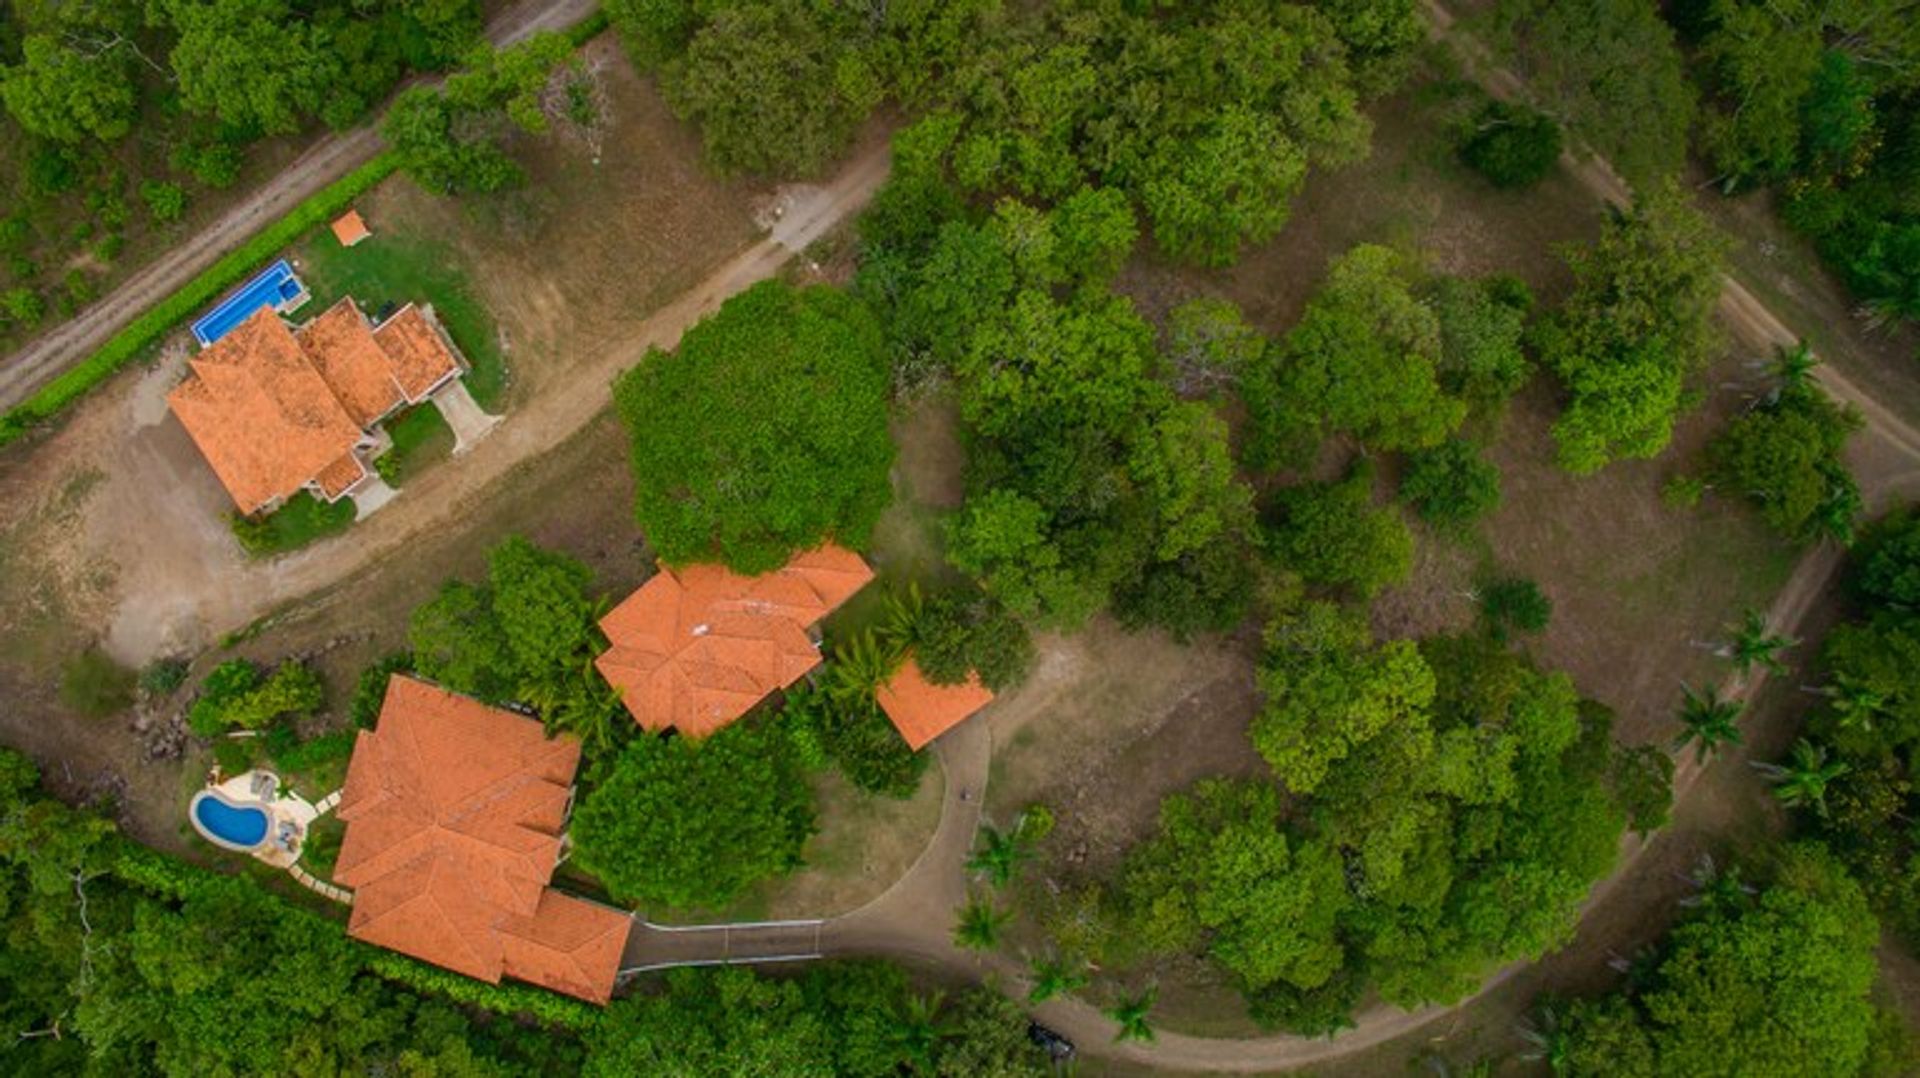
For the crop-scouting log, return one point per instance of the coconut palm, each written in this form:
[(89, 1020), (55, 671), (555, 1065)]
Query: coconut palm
[(578, 702), (999, 855), (1547, 1040), (1707, 722), (980, 923), (1855, 704), (1802, 781), (1756, 644), (1055, 976), (1794, 366), (859, 667), (1131, 1015)]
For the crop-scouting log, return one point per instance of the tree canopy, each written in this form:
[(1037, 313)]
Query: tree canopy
[(1786, 457), (764, 433), (690, 825), (1634, 329)]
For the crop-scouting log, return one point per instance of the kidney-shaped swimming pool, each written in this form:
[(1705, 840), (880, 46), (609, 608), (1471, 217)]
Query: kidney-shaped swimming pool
[(237, 827)]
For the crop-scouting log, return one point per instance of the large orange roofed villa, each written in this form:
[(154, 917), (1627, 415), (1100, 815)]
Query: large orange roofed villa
[(454, 812), (277, 409), (696, 648)]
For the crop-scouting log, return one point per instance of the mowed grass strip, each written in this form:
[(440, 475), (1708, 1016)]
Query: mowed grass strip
[(300, 521), (420, 438), (392, 269)]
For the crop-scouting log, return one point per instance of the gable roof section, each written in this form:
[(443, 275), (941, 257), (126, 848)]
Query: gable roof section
[(454, 812), (921, 710), (416, 352), (262, 415), (341, 346), (696, 648)]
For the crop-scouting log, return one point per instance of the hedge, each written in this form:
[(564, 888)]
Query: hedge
[(232, 267)]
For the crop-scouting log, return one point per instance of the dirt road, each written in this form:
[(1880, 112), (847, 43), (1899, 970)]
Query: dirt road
[(217, 590), (329, 158)]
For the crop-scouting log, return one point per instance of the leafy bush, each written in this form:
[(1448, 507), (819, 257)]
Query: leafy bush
[(162, 676), (859, 739), (1514, 604), (1787, 458), (956, 634), (309, 756), (1451, 484), (1511, 145), (96, 686), (236, 695), (166, 201), (131, 341)]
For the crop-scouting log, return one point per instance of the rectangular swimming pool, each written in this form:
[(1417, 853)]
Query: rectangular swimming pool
[(275, 287)]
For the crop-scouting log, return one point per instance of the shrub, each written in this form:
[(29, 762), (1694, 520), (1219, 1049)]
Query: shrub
[(166, 201), (162, 676), (95, 685), (853, 733), (1451, 484), (955, 634), (1514, 604), (235, 694), (1511, 145)]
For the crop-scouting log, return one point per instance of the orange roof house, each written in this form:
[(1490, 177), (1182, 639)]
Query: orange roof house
[(696, 648), (350, 229), (921, 710), (454, 813), (276, 409)]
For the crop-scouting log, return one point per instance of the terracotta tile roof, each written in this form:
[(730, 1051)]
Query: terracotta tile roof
[(340, 344), (273, 409), (420, 356), (350, 229), (696, 648), (921, 710), (454, 812), (261, 413), (339, 477)]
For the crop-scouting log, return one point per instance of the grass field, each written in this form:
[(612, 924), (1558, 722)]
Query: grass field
[(421, 437)]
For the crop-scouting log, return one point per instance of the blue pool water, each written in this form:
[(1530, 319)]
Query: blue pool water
[(274, 286), (240, 826)]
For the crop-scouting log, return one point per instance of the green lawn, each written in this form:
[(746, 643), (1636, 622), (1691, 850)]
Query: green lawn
[(421, 437), (302, 520), (393, 269)]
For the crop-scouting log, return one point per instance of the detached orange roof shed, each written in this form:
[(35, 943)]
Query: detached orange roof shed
[(454, 813), (696, 648), (350, 229), (921, 710)]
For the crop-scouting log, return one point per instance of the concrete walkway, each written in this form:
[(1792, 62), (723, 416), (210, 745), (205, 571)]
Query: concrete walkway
[(318, 886), (463, 414), (371, 496)]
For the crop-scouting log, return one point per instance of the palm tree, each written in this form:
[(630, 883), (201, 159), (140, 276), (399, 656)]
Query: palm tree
[(1795, 368), (1707, 722), (1131, 1015), (980, 923), (1854, 703), (1802, 782), (1055, 976), (859, 667), (1755, 644), (1547, 1040), (919, 1027), (900, 624), (1000, 855), (577, 702)]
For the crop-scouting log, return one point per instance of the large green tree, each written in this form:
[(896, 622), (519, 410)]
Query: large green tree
[(1634, 329), (765, 431), (63, 93), (690, 824)]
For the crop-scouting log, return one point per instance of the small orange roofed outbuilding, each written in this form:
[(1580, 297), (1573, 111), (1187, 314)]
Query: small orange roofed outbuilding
[(454, 813), (350, 228), (921, 710), (697, 647)]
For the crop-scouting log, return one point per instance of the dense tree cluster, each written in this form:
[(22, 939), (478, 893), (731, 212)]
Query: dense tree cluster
[(1089, 482), (236, 694), (764, 433), (1333, 534), (1205, 116), (1870, 723), (199, 81), (1822, 100), (1446, 807), (1634, 329), (1769, 982), (118, 960)]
